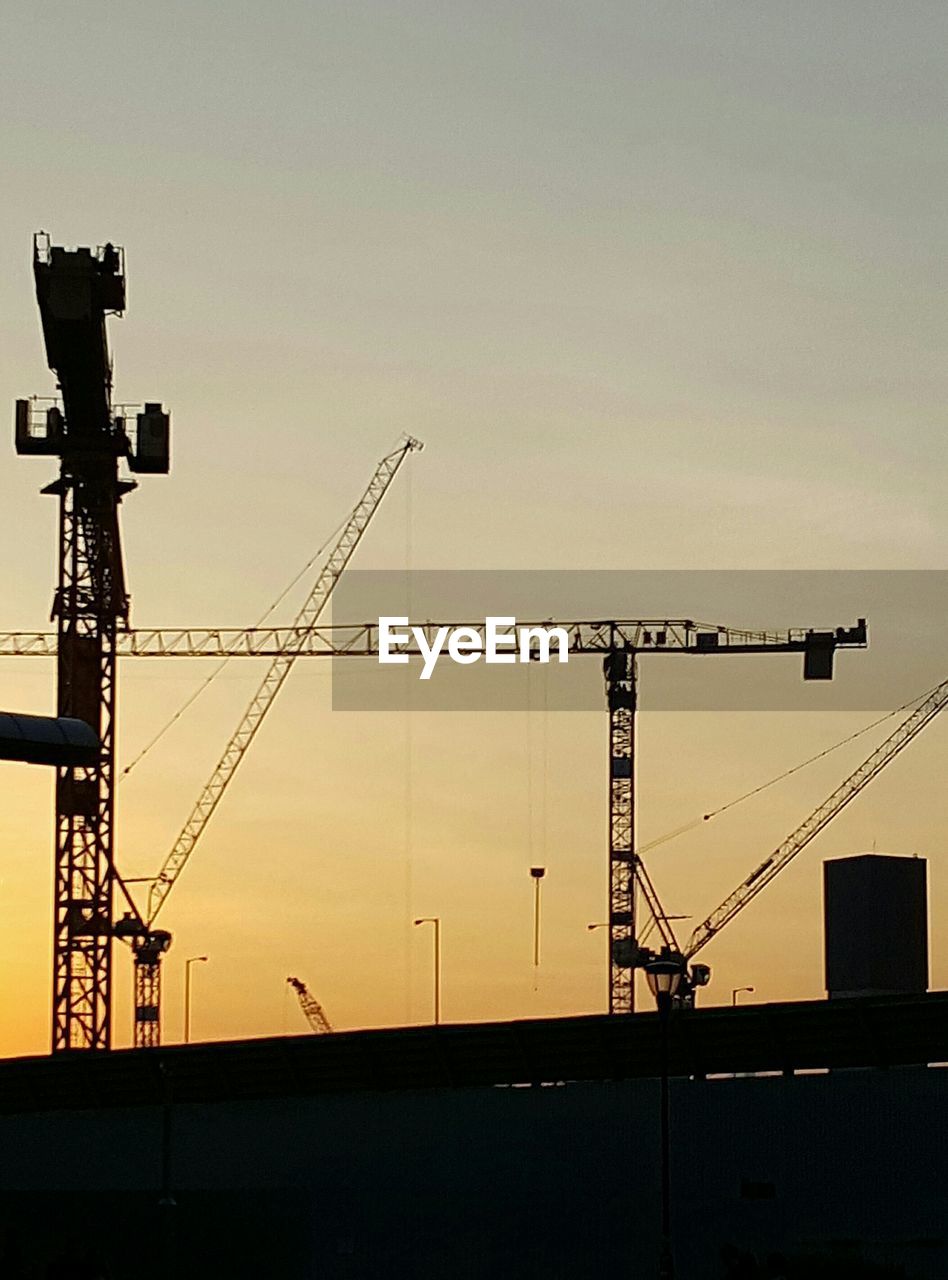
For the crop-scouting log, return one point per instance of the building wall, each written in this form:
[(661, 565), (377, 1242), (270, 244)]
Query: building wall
[(552, 1181), (875, 910)]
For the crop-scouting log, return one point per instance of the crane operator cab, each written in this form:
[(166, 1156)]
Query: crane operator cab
[(76, 290)]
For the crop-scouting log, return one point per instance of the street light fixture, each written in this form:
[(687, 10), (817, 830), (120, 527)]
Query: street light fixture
[(187, 994), (737, 991), (664, 973), (537, 873), (436, 921), (604, 924)]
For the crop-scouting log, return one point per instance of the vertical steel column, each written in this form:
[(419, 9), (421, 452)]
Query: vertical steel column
[(148, 948), (76, 290), (89, 601), (620, 673), (147, 1002)]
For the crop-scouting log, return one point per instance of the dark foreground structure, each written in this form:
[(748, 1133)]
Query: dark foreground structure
[(875, 925), (813, 1131)]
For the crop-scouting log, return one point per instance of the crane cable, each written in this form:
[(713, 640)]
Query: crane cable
[(764, 786), (193, 697)]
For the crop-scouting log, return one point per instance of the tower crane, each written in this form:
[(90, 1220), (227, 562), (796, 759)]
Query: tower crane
[(314, 1012), (76, 289), (617, 643), (149, 944), (923, 714)]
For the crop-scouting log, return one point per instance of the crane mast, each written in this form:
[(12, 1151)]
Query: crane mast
[(628, 876), (625, 869), (148, 955), (312, 1009), (76, 289), (847, 790)]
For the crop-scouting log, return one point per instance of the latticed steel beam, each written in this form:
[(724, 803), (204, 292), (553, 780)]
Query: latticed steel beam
[(289, 649), (148, 951), (620, 673), (147, 983), (362, 639), (652, 901), (89, 600), (847, 790), (76, 289)]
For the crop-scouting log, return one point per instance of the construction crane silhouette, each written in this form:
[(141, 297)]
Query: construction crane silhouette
[(697, 975), (618, 643), (76, 289), (149, 944), (313, 1010)]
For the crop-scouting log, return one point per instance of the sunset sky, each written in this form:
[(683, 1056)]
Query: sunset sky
[(659, 286)]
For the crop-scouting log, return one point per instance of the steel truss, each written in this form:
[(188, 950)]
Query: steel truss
[(90, 602)]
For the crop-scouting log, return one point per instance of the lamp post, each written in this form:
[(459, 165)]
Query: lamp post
[(537, 873), (187, 995), (664, 973), (736, 992), (436, 921)]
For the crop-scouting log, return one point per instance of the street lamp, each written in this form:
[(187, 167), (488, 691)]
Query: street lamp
[(664, 977), (537, 873), (664, 973), (737, 991), (436, 921), (187, 994)]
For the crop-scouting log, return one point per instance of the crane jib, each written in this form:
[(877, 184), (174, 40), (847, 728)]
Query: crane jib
[(924, 712)]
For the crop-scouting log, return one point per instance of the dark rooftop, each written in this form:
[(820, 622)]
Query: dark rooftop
[(804, 1035)]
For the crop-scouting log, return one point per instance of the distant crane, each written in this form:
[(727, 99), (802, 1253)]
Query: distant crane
[(618, 643), (923, 714), (315, 1014)]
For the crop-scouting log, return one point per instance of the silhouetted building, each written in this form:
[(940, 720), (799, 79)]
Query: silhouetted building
[(514, 1150), (875, 920)]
